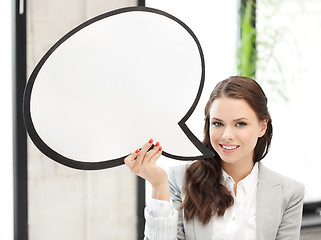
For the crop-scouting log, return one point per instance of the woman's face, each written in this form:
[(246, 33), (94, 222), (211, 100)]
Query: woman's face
[(234, 130)]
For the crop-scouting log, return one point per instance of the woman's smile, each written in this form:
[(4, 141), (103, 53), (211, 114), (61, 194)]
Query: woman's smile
[(228, 148)]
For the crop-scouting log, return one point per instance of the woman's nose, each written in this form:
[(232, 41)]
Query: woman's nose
[(228, 134)]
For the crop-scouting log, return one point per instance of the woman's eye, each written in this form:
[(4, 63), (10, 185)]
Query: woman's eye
[(241, 124), (217, 124)]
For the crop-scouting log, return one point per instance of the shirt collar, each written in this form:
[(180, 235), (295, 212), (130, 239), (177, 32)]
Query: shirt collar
[(226, 176), (249, 182)]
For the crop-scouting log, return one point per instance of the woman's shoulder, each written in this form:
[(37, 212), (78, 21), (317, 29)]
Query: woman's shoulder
[(290, 186), (176, 174)]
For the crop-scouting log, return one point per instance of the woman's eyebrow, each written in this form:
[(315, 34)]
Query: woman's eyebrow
[(217, 119), (235, 120), (240, 119)]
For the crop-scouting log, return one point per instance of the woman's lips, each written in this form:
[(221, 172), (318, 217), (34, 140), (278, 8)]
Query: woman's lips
[(228, 148)]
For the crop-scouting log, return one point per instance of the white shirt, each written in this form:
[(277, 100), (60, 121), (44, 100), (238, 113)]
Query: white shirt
[(238, 222)]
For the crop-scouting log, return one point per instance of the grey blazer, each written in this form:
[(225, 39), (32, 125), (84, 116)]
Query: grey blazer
[(278, 213)]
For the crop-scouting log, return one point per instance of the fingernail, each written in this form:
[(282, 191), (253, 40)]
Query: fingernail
[(160, 149), (137, 151), (157, 144), (151, 140)]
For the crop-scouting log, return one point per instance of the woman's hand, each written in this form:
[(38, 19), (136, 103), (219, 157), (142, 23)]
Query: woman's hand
[(142, 163)]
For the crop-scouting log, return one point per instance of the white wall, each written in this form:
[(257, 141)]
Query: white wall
[(64, 203), (6, 170)]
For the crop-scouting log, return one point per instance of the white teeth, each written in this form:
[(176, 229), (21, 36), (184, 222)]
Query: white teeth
[(229, 148)]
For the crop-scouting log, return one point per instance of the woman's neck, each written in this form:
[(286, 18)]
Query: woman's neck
[(238, 170)]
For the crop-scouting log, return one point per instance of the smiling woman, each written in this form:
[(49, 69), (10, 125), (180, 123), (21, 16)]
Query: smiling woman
[(238, 128), (231, 195)]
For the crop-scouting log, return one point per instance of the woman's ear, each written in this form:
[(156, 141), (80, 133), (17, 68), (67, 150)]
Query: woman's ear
[(263, 127)]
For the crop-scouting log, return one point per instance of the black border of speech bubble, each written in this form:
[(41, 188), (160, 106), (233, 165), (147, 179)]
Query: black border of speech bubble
[(45, 149)]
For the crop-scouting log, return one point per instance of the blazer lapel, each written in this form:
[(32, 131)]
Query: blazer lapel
[(269, 205)]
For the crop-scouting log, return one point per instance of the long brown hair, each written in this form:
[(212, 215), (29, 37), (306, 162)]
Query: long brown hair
[(206, 196)]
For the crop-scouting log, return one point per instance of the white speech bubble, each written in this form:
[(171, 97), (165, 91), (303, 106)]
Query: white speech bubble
[(111, 84)]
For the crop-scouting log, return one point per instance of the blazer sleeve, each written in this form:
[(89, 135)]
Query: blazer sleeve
[(290, 226), (176, 178), (168, 228)]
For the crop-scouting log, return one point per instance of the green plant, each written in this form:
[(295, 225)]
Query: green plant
[(257, 51), (247, 48)]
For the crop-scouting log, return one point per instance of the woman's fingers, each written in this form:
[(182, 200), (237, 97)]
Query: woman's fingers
[(142, 152), (142, 160), (130, 159), (150, 155), (156, 155), (142, 163)]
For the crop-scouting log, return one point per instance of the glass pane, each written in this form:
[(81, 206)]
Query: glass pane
[(288, 68)]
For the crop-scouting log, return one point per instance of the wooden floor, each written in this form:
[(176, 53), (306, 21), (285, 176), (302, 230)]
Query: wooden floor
[(311, 233)]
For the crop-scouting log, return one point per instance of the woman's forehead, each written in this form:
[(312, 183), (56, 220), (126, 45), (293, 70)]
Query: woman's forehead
[(231, 109)]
